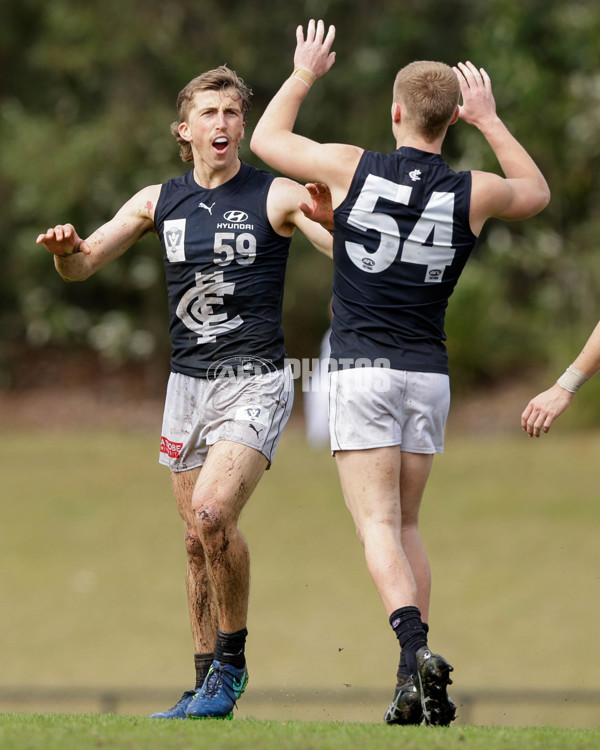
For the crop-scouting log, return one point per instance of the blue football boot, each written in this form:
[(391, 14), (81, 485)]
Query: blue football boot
[(217, 697), (178, 710)]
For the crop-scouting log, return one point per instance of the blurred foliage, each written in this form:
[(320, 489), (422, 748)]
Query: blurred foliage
[(89, 92)]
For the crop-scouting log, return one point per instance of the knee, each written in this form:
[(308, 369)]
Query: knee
[(211, 522), (193, 545)]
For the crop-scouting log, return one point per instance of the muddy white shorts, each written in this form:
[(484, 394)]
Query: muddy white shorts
[(373, 407), (251, 410)]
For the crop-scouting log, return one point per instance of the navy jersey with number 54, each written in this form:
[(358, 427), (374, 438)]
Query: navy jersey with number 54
[(402, 238), (225, 268)]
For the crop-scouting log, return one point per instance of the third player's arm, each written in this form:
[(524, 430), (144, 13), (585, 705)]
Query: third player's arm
[(541, 411)]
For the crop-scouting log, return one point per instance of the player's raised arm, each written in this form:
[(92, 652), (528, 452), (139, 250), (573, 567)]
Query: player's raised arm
[(523, 191), (541, 411), (76, 259), (273, 139)]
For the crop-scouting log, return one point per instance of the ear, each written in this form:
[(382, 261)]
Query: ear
[(455, 116), (243, 131), (184, 131), (396, 113)]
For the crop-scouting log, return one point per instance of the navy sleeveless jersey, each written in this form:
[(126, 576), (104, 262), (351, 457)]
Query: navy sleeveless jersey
[(225, 268), (402, 238)]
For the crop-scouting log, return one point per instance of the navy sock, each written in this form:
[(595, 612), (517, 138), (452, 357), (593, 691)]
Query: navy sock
[(230, 648), (202, 664), (404, 672), (406, 624)]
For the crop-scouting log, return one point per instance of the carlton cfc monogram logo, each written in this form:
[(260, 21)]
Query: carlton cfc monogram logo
[(196, 309)]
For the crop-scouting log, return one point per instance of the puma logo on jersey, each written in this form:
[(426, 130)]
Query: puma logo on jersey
[(255, 430), (208, 208), (415, 175)]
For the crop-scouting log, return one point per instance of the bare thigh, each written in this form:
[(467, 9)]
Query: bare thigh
[(229, 476)]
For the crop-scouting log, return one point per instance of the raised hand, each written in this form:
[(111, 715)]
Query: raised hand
[(313, 53), (476, 89)]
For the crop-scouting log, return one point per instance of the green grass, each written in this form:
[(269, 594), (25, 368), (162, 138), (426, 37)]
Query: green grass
[(60, 732), (92, 584)]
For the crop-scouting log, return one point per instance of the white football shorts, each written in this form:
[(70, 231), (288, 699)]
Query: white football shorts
[(373, 407), (251, 410)]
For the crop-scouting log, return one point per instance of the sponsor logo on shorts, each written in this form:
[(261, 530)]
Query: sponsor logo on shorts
[(170, 448)]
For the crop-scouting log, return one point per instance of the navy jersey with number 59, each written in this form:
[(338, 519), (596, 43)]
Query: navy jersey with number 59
[(402, 238), (225, 268)]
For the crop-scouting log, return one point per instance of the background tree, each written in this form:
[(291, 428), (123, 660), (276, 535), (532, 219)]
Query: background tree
[(85, 106)]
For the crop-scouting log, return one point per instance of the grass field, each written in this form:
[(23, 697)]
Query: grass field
[(92, 591), (59, 732)]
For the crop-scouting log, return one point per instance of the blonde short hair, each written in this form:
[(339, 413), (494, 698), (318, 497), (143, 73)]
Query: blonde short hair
[(218, 79), (429, 92)]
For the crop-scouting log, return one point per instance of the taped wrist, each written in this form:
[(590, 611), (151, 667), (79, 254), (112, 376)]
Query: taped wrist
[(572, 379), (305, 75)]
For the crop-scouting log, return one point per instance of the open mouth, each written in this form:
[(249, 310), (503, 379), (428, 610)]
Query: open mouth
[(220, 144)]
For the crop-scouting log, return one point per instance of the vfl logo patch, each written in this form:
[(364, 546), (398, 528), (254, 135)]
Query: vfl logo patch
[(174, 238), (253, 413), (170, 448), (235, 217)]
